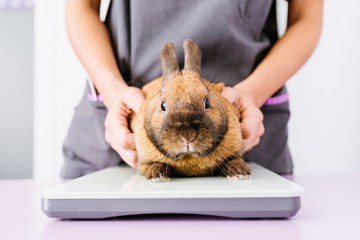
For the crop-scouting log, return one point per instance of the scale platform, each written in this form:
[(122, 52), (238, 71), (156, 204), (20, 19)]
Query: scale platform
[(121, 191)]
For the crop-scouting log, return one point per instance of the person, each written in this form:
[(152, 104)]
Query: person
[(240, 47)]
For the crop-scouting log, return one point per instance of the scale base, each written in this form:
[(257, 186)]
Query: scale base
[(224, 207)]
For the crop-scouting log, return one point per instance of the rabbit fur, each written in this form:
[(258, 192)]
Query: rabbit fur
[(185, 128)]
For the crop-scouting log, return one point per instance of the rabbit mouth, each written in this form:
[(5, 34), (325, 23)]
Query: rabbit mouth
[(187, 154), (188, 147)]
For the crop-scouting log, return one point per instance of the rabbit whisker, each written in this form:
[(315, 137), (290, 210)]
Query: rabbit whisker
[(238, 157), (250, 125), (263, 154), (221, 67), (214, 158), (224, 76), (251, 149), (211, 154), (224, 163), (251, 161), (212, 173)]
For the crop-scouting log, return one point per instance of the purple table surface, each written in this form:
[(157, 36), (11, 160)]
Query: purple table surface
[(330, 210)]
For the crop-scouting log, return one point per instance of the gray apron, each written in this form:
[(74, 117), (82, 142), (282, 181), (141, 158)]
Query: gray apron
[(233, 35)]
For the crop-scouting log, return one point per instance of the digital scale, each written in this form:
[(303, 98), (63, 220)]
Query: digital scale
[(121, 191)]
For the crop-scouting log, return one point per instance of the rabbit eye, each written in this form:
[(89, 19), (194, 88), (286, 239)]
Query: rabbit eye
[(206, 103), (163, 106)]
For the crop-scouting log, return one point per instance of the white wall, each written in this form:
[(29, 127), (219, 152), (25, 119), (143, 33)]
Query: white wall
[(324, 97), (59, 82), (16, 81), (323, 94)]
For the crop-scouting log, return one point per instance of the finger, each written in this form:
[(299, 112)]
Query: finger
[(124, 138), (138, 99), (251, 123), (225, 93), (251, 135), (231, 95), (129, 156), (129, 142), (255, 142), (247, 145), (261, 130), (246, 130), (118, 126)]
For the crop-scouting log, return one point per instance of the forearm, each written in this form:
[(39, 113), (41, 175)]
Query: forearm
[(91, 42), (288, 54)]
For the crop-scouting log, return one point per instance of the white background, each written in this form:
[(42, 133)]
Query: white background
[(16, 97), (324, 95)]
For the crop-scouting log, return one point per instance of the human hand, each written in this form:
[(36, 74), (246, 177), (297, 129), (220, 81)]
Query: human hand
[(117, 132), (251, 118)]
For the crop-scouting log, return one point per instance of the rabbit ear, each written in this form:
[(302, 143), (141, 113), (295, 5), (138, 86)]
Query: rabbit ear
[(169, 63), (192, 57)]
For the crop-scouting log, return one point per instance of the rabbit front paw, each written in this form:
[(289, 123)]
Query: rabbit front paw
[(236, 169), (159, 172)]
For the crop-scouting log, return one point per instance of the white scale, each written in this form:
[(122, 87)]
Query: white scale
[(121, 191)]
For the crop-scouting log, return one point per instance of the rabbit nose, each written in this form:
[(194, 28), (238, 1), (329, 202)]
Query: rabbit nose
[(186, 140)]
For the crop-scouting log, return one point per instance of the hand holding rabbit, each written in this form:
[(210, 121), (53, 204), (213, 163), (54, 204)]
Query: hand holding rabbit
[(117, 132), (252, 126)]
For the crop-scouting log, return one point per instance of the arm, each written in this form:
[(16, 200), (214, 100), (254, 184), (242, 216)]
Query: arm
[(285, 58), (290, 52), (91, 42)]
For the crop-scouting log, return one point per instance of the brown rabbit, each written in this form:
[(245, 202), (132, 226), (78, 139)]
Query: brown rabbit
[(185, 127)]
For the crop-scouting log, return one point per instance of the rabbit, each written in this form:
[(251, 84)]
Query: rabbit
[(185, 128)]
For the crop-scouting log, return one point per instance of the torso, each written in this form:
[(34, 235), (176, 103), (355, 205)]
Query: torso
[(233, 35)]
